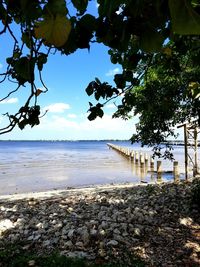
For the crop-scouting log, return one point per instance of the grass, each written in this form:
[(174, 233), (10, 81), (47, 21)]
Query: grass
[(15, 256)]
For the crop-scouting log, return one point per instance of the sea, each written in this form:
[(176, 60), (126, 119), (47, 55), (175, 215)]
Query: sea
[(34, 166)]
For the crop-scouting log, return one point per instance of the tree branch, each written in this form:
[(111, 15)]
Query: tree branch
[(10, 93)]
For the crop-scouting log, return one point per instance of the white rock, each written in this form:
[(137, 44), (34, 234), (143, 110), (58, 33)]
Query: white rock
[(78, 254), (37, 237), (102, 252), (46, 243), (136, 231), (31, 263), (70, 233), (31, 237), (102, 232), (85, 237), (186, 221), (116, 231), (113, 243), (69, 244), (40, 225), (6, 224), (79, 244), (93, 232)]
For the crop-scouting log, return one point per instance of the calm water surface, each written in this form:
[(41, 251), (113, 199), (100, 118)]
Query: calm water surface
[(36, 166)]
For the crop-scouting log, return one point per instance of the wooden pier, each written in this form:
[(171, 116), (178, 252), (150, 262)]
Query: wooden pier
[(144, 163)]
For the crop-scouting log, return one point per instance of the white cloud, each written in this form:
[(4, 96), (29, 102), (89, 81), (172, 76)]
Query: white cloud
[(110, 106), (59, 127), (107, 123), (57, 107), (97, 5), (10, 101), (72, 116), (85, 129), (62, 123), (113, 72)]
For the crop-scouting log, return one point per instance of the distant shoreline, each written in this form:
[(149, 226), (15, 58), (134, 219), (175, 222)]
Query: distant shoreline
[(55, 140)]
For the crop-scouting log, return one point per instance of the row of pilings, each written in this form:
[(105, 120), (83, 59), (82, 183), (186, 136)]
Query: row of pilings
[(145, 162)]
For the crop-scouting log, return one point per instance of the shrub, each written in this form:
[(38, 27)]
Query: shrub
[(196, 193)]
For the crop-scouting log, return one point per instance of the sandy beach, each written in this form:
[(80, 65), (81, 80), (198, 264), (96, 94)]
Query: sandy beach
[(70, 191)]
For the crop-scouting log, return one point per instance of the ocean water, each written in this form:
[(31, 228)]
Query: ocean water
[(32, 166)]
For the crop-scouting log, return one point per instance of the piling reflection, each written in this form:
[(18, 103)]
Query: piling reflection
[(142, 173), (137, 169), (176, 178), (159, 177)]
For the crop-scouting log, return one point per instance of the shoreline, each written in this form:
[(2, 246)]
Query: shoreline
[(74, 190), (70, 191)]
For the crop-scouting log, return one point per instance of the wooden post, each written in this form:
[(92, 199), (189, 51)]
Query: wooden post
[(175, 167), (159, 166), (142, 160), (195, 171), (186, 151), (151, 164), (159, 171), (132, 155), (136, 157), (146, 158), (176, 171)]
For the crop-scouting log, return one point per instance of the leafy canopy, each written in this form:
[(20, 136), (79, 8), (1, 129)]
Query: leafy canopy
[(155, 42)]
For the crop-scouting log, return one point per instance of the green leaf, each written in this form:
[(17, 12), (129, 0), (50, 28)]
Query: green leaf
[(70, 46), (80, 5), (30, 10), (3, 12), (92, 116), (89, 90), (42, 59), (128, 75), (24, 68), (54, 7), (100, 113), (108, 7), (185, 20), (88, 22), (9, 60), (120, 81), (54, 30), (26, 39), (22, 124), (151, 41), (97, 81), (194, 89)]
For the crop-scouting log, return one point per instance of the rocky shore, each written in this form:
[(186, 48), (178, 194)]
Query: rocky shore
[(157, 223)]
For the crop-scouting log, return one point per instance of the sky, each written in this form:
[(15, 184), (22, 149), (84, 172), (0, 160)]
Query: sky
[(66, 100)]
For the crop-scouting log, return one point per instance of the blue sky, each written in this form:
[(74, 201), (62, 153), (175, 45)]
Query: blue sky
[(66, 101)]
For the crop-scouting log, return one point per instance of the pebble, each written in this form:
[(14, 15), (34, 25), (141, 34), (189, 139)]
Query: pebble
[(113, 243), (93, 224)]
